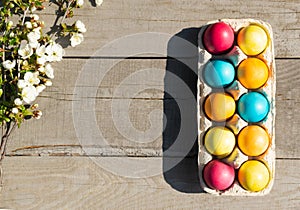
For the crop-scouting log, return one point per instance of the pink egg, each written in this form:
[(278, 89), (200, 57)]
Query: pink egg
[(218, 38), (218, 175)]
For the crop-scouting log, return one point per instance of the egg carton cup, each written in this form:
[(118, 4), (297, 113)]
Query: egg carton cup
[(236, 123)]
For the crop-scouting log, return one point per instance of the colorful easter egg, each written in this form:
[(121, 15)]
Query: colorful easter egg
[(218, 38), (253, 175), (218, 175), (219, 141), (219, 106), (253, 140), (252, 73), (218, 73), (253, 107), (252, 40)]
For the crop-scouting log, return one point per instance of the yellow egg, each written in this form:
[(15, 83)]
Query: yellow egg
[(252, 73), (219, 106), (219, 141), (253, 175), (253, 140), (252, 40)]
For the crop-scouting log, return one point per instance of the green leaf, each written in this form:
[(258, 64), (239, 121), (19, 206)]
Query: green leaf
[(27, 112)]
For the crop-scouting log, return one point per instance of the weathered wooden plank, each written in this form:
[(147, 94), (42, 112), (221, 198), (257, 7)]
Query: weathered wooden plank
[(116, 19), (55, 134), (78, 183)]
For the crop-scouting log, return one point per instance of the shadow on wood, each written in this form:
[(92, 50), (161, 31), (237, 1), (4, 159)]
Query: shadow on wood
[(180, 145)]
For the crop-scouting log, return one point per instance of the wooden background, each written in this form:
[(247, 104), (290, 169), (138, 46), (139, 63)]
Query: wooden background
[(46, 168)]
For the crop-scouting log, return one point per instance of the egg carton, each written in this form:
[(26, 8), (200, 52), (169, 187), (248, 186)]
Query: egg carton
[(237, 123)]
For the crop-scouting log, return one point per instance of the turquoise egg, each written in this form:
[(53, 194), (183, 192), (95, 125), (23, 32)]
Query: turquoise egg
[(253, 107), (218, 73)]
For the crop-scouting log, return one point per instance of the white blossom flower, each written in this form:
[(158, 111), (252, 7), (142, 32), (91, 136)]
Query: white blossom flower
[(25, 50), (41, 60), (48, 83), (40, 88), (80, 26), (98, 2), (32, 78), (76, 39), (35, 17), (34, 36), (37, 31), (34, 44), (40, 50), (12, 34), (79, 3), (37, 114), (29, 94), (15, 110), (18, 101), (22, 83), (41, 54), (9, 64), (54, 52), (49, 71), (41, 69), (33, 9), (28, 25)]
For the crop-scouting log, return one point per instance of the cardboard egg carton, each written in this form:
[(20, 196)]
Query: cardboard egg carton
[(236, 123)]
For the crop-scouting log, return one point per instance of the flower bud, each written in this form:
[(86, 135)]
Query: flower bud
[(42, 23), (37, 114), (79, 3), (48, 83), (18, 102), (28, 25), (35, 25), (25, 63), (33, 9), (9, 25), (14, 110), (34, 106), (35, 17)]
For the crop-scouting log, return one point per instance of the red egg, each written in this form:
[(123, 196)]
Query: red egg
[(218, 175), (218, 38)]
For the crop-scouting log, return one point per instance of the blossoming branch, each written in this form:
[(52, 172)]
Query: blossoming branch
[(27, 54)]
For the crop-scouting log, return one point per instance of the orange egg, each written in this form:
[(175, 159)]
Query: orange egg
[(253, 73), (219, 106), (253, 140)]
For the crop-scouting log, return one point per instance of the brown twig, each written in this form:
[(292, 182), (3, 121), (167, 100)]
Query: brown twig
[(1, 176), (6, 132)]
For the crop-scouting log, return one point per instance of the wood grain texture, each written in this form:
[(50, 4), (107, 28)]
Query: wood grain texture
[(78, 183), (116, 19), (55, 134), (39, 175)]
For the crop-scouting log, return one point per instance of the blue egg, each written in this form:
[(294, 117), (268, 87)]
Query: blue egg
[(253, 107), (218, 73)]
